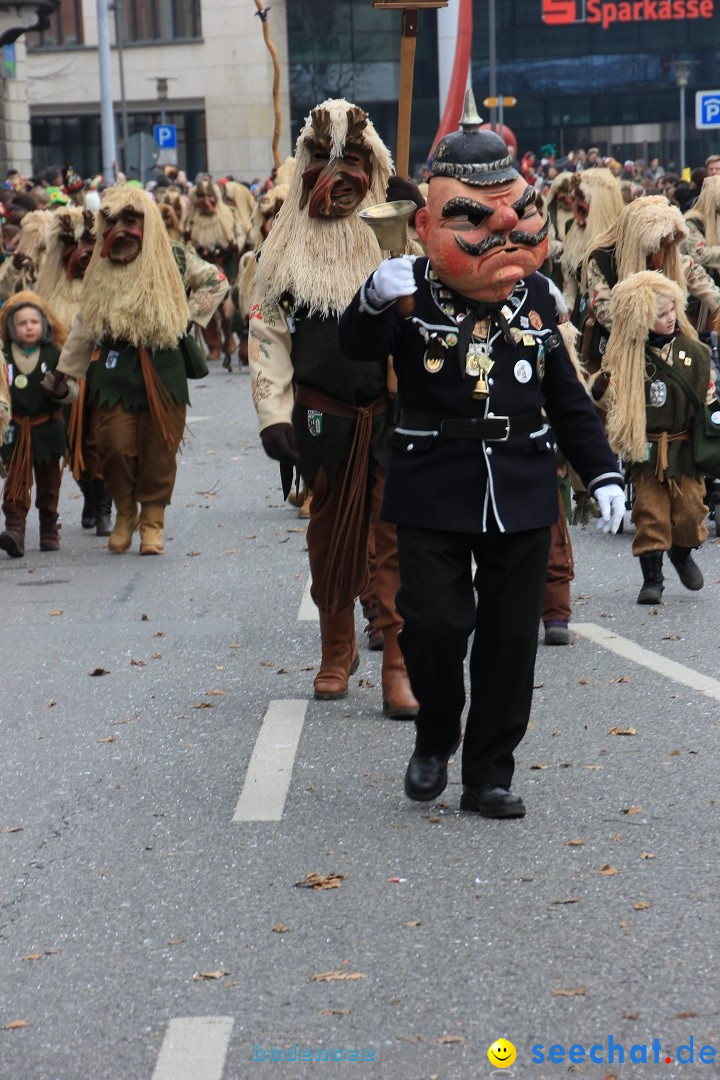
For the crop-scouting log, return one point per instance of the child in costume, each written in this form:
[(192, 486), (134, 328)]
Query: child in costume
[(36, 439), (649, 422)]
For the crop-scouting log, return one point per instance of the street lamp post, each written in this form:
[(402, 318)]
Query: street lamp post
[(107, 117), (116, 8), (682, 77)]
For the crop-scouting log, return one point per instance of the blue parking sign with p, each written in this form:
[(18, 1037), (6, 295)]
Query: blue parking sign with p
[(165, 136), (707, 109)]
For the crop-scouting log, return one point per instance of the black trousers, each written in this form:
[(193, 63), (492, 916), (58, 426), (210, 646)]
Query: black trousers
[(440, 610)]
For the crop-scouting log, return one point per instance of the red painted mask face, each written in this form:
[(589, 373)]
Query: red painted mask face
[(76, 254), (482, 240), (206, 205), (122, 236)]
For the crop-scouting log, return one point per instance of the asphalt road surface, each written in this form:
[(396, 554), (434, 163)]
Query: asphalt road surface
[(168, 780)]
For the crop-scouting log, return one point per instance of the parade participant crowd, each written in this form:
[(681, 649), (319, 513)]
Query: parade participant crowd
[(553, 323)]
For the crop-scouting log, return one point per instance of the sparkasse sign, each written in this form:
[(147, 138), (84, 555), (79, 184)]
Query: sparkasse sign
[(605, 13)]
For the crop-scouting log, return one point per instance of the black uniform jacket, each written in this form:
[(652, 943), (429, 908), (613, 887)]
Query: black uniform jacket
[(436, 480)]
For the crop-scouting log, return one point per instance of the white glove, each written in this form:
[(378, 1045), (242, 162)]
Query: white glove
[(394, 278), (611, 503)]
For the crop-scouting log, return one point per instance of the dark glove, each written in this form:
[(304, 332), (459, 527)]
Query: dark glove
[(56, 384), (279, 444), (398, 189), (600, 385)]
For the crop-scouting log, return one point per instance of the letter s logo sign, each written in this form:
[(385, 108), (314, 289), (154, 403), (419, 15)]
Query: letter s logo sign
[(557, 12)]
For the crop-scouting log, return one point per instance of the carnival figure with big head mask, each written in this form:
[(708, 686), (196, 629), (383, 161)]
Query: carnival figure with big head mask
[(315, 406), (482, 374)]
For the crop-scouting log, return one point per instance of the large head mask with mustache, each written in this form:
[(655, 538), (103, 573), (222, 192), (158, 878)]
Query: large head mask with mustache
[(482, 228), (337, 178)]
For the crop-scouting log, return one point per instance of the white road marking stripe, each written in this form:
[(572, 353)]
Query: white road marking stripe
[(198, 419), (194, 1047), (669, 668), (270, 770), (308, 612)]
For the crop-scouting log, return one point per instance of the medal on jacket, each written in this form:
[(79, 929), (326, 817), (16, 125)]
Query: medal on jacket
[(21, 381), (112, 359), (657, 393)]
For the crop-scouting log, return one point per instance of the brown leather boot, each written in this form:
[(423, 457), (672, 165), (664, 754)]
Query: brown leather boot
[(49, 531), (126, 522), (340, 656), (152, 521), (12, 540), (398, 700)]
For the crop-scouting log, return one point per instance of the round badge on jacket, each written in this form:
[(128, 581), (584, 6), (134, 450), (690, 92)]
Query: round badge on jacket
[(523, 371)]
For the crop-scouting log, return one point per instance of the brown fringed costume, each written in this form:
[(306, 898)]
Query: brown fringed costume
[(132, 321), (217, 237), (311, 264), (35, 441)]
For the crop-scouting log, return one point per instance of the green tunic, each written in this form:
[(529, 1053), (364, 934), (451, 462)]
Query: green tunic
[(49, 439), (117, 376), (324, 440), (670, 409)]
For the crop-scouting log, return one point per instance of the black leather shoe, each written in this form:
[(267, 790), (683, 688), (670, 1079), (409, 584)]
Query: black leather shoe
[(426, 777), (491, 800)]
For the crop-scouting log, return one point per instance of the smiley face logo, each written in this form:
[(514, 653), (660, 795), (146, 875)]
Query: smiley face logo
[(502, 1054)]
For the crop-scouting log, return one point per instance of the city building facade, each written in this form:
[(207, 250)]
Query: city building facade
[(605, 73)]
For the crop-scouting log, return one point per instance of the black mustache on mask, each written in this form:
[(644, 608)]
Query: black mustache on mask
[(492, 241), (521, 236)]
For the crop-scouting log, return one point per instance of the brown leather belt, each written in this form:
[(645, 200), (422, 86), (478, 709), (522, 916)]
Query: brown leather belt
[(663, 439), (313, 399)]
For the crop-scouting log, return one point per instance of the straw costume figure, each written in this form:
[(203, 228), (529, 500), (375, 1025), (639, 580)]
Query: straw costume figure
[(214, 232), (649, 422), (35, 440), (70, 244), (314, 404), (647, 235), (133, 319)]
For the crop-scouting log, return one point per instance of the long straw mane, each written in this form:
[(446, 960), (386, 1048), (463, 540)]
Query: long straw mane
[(634, 305), (640, 231), (210, 230), (322, 263), (707, 208), (143, 302), (605, 202), (63, 296)]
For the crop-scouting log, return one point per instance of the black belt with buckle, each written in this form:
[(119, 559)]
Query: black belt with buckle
[(493, 428)]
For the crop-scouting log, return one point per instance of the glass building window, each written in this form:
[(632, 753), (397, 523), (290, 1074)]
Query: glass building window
[(159, 20), (65, 28)]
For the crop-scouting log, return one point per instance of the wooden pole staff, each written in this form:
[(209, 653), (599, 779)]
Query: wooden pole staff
[(263, 13), (408, 42)]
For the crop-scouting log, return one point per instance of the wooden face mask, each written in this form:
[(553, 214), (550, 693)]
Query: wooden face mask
[(334, 184)]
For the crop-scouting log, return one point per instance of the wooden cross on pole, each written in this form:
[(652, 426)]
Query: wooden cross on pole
[(408, 41)]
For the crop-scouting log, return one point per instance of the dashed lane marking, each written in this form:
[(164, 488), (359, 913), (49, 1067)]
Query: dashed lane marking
[(271, 764), (194, 1047), (669, 668)]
